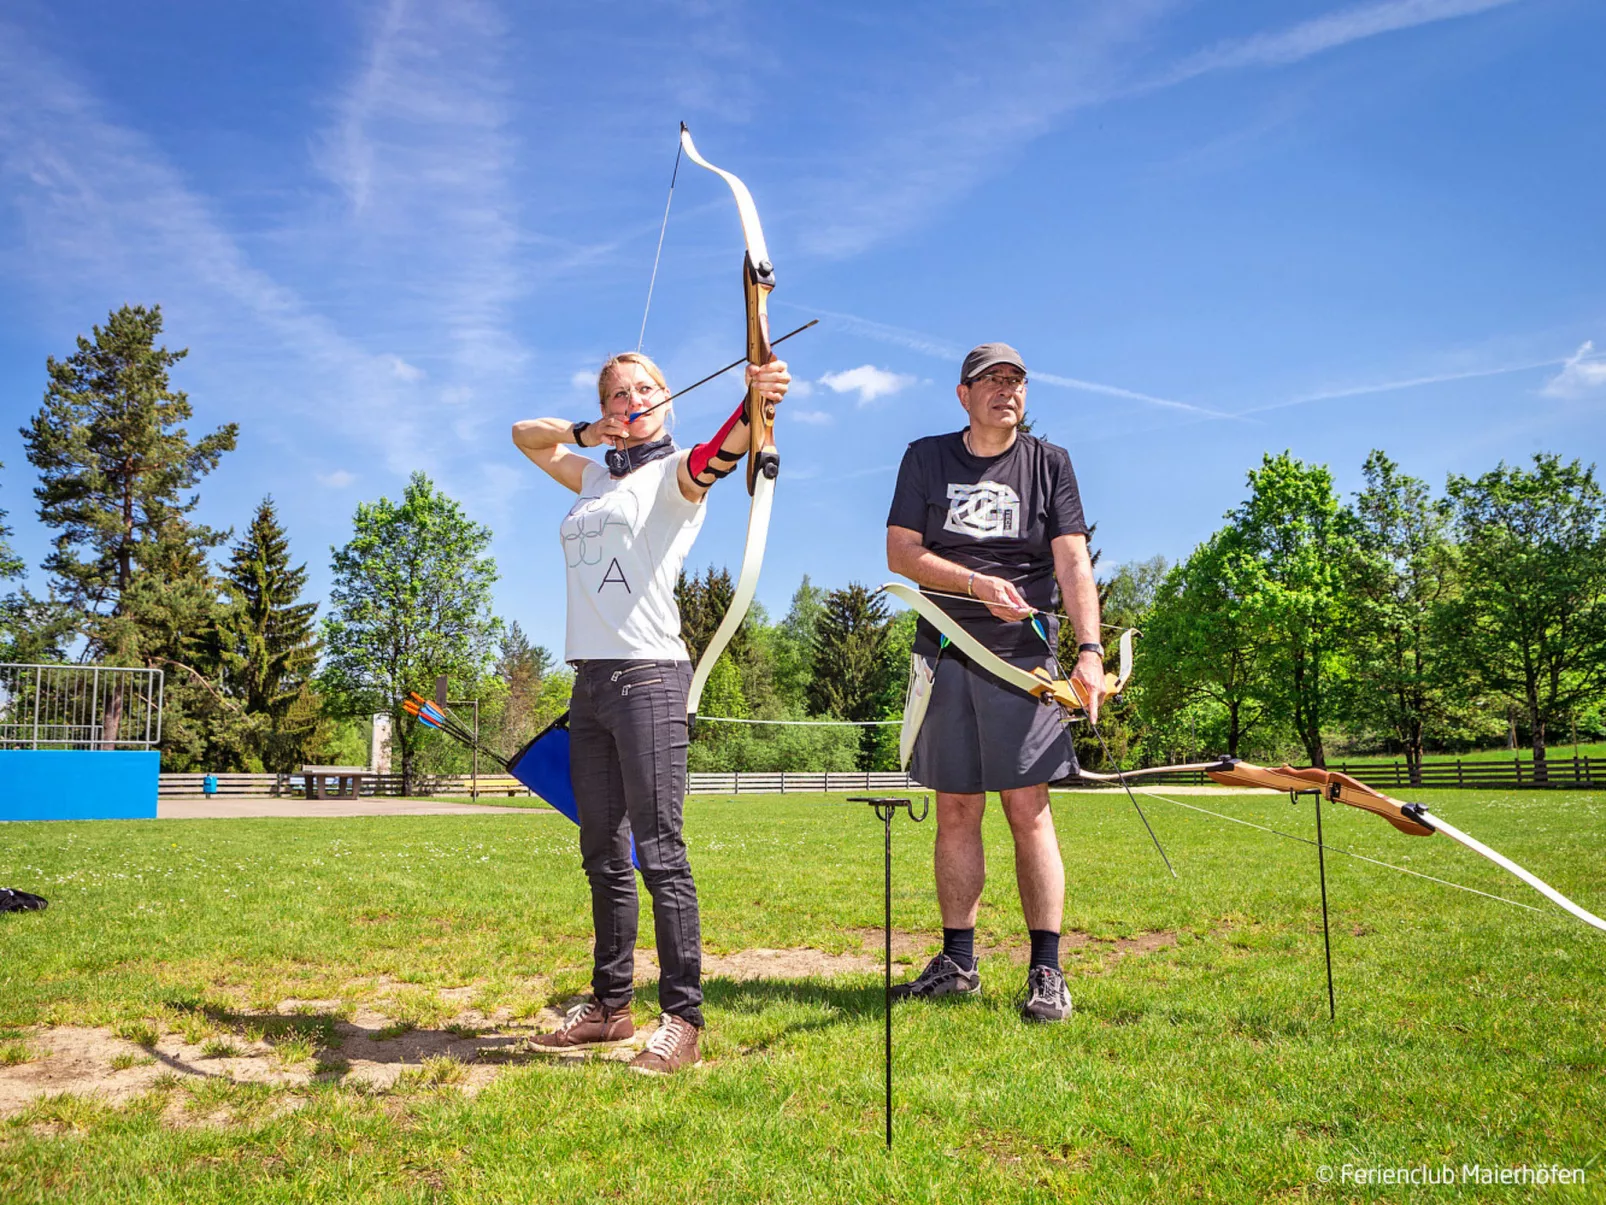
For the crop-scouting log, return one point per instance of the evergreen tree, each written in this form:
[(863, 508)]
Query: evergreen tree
[(114, 464), (10, 563), (411, 599), (171, 618), (522, 668), (703, 602), (850, 663), (269, 645), (31, 630)]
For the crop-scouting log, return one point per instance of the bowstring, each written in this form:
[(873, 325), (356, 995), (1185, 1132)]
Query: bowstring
[(1277, 832), (657, 255), (1104, 745)]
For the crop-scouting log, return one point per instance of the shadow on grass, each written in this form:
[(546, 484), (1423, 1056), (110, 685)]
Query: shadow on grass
[(827, 1005)]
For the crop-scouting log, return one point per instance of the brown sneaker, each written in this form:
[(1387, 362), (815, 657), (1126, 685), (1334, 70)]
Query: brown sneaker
[(585, 1025), (672, 1046)]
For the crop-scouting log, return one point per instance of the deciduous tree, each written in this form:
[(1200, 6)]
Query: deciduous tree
[(411, 598), (1531, 614)]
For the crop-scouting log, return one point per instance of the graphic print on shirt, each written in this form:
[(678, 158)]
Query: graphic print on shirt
[(601, 527), (987, 510)]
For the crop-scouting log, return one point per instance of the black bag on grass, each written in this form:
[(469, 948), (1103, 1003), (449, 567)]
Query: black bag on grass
[(12, 900)]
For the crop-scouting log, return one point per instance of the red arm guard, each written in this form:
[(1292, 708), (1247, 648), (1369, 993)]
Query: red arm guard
[(711, 459)]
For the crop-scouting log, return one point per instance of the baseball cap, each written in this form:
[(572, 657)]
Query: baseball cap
[(984, 357)]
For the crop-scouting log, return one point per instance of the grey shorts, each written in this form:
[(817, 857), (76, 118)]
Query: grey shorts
[(981, 734)]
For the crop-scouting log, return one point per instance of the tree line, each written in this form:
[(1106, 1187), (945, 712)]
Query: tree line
[(1397, 621)]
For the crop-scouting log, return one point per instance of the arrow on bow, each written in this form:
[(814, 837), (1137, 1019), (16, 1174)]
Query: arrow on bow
[(763, 461)]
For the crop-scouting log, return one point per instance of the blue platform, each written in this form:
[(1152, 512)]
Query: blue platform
[(70, 784)]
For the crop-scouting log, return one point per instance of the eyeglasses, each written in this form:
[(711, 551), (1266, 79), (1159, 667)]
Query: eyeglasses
[(643, 391), (1007, 381)]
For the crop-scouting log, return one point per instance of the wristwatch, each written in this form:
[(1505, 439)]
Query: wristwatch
[(1091, 647), (577, 430)]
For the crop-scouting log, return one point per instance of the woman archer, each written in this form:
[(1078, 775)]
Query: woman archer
[(624, 541)]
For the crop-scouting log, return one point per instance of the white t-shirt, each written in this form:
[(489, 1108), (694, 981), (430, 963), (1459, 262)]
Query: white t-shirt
[(624, 541)]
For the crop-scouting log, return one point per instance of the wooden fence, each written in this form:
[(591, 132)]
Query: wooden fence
[(787, 781), (1517, 773)]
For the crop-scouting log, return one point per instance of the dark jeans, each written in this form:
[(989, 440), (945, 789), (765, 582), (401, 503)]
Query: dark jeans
[(627, 750)]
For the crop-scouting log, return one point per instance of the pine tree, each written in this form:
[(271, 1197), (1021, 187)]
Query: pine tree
[(703, 602), (114, 463), (30, 629), (269, 644), (850, 662), (522, 667)]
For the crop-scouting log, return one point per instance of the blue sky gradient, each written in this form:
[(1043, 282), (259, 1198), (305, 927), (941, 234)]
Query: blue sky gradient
[(386, 231)]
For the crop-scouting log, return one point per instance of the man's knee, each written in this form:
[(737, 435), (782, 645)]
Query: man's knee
[(1027, 810), (960, 813)]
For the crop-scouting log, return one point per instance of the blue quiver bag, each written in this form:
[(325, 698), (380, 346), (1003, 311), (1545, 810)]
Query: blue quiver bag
[(543, 766)]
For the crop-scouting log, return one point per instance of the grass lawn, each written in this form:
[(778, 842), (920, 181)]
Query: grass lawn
[(242, 975)]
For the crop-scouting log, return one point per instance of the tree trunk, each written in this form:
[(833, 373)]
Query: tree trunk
[(112, 720), (1537, 724)]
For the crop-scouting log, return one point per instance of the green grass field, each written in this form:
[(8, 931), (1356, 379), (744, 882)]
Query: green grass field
[(1199, 1065)]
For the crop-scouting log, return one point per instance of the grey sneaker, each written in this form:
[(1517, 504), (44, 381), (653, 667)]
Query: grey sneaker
[(1046, 997), (942, 977)]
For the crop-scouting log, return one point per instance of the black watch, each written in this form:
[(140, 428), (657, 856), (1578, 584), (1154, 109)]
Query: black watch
[(578, 430), (1091, 647)]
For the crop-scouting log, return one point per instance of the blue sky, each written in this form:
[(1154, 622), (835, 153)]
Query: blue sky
[(386, 231)]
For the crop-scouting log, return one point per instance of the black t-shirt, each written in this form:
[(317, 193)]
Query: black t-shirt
[(996, 515)]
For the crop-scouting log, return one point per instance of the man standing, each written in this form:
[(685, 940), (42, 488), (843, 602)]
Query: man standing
[(993, 515)]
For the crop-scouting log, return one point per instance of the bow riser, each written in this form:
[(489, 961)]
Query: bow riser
[(757, 282)]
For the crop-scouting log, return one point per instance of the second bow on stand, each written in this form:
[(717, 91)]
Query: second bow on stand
[(763, 460)]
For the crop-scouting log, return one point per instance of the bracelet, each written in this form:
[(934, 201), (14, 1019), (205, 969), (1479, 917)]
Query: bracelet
[(578, 430), (1091, 646), (970, 584)]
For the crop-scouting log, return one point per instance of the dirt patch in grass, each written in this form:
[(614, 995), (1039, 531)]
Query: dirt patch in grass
[(407, 1038), (800, 962)]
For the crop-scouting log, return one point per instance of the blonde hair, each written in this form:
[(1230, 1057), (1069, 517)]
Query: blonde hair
[(628, 357)]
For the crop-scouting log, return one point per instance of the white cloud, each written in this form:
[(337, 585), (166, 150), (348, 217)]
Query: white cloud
[(801, 389), (1582, 373), (584, 379), (814, 418), (1321, 34), (403, 371), (868, 381), (337, 480)]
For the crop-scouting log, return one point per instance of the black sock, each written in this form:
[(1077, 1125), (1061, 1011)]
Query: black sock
[(1045, 948), (960, 945)]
